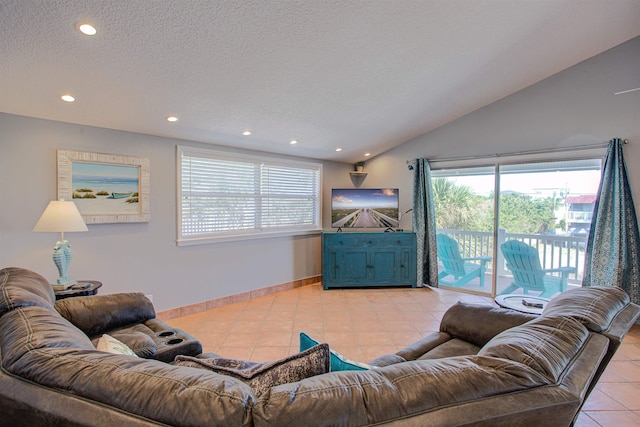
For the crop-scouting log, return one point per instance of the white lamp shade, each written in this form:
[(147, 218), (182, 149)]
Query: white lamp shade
[(61, 216)]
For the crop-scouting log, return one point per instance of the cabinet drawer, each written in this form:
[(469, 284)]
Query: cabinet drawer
[(368, 239)]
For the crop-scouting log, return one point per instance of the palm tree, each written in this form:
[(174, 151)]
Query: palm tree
[(456, 206)]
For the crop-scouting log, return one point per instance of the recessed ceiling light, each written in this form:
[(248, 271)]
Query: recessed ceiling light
[(87, 29), (67, 98), (293, 142), (246, 133), (172, 119), (367, 154), (338, 149)]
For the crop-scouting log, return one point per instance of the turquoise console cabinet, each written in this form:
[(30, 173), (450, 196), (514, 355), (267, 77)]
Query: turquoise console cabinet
[(353, 260)]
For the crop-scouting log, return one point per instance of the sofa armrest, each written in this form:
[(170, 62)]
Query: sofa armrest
[(98, 314), (171, 341), (386, 360), (477, 324), (426, 344)]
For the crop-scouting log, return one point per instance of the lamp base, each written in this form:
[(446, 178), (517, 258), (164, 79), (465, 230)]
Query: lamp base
[(63, 286), (62, 256)]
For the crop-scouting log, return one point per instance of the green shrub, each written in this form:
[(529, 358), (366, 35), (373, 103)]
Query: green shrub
[(89, 196), (102, 193), (132, 200), (84, 190)]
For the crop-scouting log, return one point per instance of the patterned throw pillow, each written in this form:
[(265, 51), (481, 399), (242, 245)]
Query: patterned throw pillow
[(262, 376), (338, 361), (111, 345)]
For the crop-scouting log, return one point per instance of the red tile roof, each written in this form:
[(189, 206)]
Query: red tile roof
[(580, 199)]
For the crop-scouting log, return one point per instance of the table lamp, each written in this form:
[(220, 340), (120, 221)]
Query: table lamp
[(61, 216)]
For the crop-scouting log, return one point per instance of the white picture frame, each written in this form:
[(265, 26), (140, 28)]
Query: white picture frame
[(107, 188)]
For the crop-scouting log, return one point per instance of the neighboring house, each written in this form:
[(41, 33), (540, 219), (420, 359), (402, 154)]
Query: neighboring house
[(579, 213)]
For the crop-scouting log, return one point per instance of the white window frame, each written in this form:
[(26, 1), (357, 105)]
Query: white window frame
[(256, 232)]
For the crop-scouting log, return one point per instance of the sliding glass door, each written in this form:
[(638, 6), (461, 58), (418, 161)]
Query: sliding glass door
[(464, 208), (546, 208), (530, 239)]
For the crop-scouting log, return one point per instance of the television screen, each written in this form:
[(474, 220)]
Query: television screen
[(364, 207)]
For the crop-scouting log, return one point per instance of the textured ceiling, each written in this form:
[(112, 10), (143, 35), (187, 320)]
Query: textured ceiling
[(362, 75)]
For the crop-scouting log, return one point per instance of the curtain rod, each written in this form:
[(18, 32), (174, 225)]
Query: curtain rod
[(521, 153)]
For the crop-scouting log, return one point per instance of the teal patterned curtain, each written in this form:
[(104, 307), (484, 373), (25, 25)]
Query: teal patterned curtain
[(613, 249), (424, 224)]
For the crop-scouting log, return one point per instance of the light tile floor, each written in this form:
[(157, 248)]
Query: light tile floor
[(365, 323)]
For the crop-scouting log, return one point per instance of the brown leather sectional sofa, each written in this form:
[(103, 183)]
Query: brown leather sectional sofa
[(486, 366)]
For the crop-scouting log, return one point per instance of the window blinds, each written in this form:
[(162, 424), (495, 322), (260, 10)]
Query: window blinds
[(222, 194)]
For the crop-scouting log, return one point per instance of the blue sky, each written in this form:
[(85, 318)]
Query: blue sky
[(541, 184), (104, 170), (354, 198)]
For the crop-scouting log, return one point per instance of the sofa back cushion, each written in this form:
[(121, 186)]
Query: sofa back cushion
[(20, 287), (31, 329), (546, 344), (391, 393), (99, 314), (595, 307)]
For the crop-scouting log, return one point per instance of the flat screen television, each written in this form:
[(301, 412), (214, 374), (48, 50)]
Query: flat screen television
[(364, 208)]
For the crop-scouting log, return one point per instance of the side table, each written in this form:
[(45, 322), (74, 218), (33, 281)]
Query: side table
[(515, 302), (80, 289)]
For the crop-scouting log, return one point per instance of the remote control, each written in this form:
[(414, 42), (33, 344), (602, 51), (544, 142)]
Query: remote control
[(532, 304)]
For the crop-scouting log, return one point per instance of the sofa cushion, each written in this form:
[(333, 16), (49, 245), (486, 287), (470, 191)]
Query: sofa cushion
[(262, 376), (21, 288), (546, 344), (139, 342), (451, 348), (595, 307), (97, 314), (111, 345), (338, 361)]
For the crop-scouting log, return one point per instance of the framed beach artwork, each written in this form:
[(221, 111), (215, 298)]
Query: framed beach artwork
[(106, 188)]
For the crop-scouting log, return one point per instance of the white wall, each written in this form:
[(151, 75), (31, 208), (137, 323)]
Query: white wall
[(574, 107), (139, 256)]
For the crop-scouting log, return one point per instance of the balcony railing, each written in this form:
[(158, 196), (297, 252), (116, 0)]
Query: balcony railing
[(577, 216), (554, 251)]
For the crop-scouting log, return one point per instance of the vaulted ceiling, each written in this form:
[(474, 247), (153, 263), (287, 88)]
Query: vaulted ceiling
[(360, 75)]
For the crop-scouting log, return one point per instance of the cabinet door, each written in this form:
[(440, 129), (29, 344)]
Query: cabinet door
[(384, 263), (407, 267), (330, 266), (353, 265)]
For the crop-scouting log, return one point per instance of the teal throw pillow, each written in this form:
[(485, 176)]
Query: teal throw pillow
[(338, 361)]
